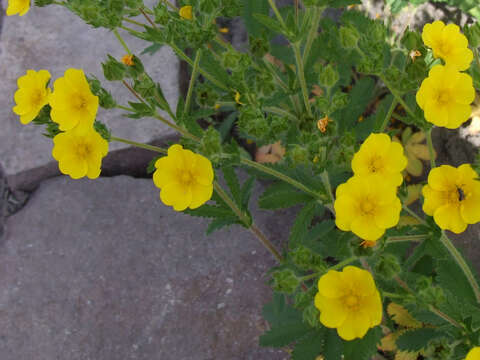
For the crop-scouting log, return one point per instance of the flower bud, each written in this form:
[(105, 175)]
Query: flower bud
[(388, 266), (285, 281), (113, 70), (349, 37), (328, 76)]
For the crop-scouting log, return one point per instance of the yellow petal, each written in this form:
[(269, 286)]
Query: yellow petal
[(433, 199), (366, 229), (397, 160), (177, 195), (460, 58), (435, 113), (73, 166), (166, 172), (388, 215), (200, 194), (448, 217), (332, 285), (473, 354), (345, 210), (360, 281), (203, 170), (442, 178), (355, 325), (457, 115), (332, 311), (432, 33), (470, 209)]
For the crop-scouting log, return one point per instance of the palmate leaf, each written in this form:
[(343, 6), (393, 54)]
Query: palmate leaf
[(285, 321), (281, 196), (417, 339), (364, 348), (310, 346), (303, 221), (451, 277)]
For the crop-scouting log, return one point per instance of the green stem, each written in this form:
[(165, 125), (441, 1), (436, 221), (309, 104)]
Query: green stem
[(277, 13), (412, 213), (280, 176), (317, 13), (132, 32), (341, 264), (431, 150), (170, 4), (445, 317), (148, 18), (477, 58), (462, 264), (125, 108), (133, 22), (209, 77), (392, 295), (389, 115), (326, 182), (281, 112), (198, 55), (397, 96), (120, 39), (301, 78), (139, 145), (414, 238), (246, 221)]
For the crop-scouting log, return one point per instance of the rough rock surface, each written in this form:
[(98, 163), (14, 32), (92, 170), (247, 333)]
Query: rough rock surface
[(102, 270), (52, 38)]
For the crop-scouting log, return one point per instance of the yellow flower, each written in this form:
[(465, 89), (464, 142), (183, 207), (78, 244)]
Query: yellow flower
[(349, 301), (452, 197), (19, 7), (445, 97), (473, 354), (79, 153), (379, 156), (185, 179), (73, 104), (128, 60), (448, 44), (32, 94), (186, 12), (366, 207)]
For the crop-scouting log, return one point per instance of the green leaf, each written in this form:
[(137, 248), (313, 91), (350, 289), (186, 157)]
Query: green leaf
[(364, 348), (211, 211), (217, 224), (286, 323), (281, 196), (233, 184), (246, 191), (451, 277), (333, 348), (254, 28), (284, 335), (302, 223), (417, 339), (310, 346), (269, 22)]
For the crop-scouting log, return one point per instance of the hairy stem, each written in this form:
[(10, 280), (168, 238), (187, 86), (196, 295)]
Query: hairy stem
[(301, 78), (139, 145), (462, 264), (121, 41), (431, 150), (277, 13), (196, 63), (245, 219), (317, 13), (388, 116)]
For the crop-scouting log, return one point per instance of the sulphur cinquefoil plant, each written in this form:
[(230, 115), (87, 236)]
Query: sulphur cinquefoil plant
[(362, 274)]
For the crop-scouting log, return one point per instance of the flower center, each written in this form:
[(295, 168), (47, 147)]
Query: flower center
[(445, 48), (351, 301), (83, 150), (367, 207), (79, 102), (186, 178), (443, 97), (375, 164), (456, 195), (37, 97)]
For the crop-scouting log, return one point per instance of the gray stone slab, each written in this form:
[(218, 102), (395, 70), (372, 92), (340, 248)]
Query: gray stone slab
[(103, 270), (53, 38)]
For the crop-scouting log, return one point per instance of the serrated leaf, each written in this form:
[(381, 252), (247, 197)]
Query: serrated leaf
[(388, 342), (451, 277), (284, 335), (413, 193), (233, 184), (419, 150), (254, 28), (246, 191), (365, 348), (277, 311), (220, 223), (401, 316), (333, 348), (269, 22), (414, 165), (302, 223), (310, 346), (417, 339), (281, 196), (405, 355), (211, 211)]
